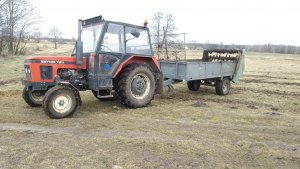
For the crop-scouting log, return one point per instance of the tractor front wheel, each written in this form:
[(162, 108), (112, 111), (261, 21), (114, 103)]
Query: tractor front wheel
[(33, 99), (136, 86), (60, 102)]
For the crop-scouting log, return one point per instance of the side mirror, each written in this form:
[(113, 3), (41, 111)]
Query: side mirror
[(136, 34)]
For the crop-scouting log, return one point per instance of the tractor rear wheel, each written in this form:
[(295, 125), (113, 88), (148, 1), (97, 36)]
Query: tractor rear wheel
[(33, 99), (136, 85), (194, 85), (222, 86), (60, 102)]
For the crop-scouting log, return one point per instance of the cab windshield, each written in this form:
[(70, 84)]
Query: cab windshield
[(90, 36)]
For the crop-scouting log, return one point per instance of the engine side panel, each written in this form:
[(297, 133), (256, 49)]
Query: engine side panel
[(37, 65)]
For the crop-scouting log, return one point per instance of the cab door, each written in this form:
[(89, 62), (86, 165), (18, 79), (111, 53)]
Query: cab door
[(110, 55)]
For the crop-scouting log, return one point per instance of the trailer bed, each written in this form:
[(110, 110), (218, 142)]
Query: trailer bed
[(197, 69)]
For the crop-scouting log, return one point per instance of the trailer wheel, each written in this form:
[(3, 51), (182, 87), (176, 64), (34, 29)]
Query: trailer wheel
[(194, 85), (60, 102), (33, 99), (103, 93), (136, 86), (223, 86)]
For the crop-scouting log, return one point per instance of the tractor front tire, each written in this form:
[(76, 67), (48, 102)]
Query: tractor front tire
[(136, 85), (60, 102), (194, 85), (223, 86), (33, 99)]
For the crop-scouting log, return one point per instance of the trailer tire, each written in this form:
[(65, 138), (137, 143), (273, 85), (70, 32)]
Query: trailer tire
[(60, 102), (222, 86), (136, 85), (103, 99), (33, 99), (194, 85)]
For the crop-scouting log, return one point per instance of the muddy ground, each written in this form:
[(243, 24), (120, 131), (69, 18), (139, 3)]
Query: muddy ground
[(256, 126)]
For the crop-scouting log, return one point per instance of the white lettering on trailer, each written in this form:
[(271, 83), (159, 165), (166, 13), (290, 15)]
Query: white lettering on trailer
[(52, 62)]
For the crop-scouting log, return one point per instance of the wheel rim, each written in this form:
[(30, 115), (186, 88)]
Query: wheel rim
[(38, 97), (225, 87), (140, 86), (62, 103)]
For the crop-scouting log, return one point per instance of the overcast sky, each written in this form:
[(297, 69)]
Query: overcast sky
[(227, 21)]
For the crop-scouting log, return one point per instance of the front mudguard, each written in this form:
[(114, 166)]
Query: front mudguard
[(72, 87)]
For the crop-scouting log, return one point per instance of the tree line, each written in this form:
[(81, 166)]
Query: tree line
[(264, 48)]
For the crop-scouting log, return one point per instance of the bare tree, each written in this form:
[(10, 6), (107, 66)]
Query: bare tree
[(2, 27), (18, 17), (55, 34), (162, 24), (169, 23), (156, 24)]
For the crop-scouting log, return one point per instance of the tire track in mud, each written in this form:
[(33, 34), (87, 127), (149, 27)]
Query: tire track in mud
[(269, 77), (103, 133), (250, 80), (287, 73), (10, 93), (238, 101), (9, 81), (265, 91), (111, 133)]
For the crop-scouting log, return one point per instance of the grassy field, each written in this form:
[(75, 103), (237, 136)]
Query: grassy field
[(256, 126)]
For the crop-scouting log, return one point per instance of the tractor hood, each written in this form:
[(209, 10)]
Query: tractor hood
[(56, 60)]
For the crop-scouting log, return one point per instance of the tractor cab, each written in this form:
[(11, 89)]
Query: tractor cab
[(100, 36), (107, 45)]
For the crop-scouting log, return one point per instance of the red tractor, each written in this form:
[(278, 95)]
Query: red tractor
[(112, 59)]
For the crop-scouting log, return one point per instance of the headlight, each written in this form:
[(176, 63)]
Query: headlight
[(27, 72)]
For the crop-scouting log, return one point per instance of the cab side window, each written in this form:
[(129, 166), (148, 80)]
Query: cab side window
[(113, 39), (137, 41)]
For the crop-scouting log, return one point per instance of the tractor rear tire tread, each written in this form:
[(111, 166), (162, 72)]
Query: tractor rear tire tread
[(122, 87)]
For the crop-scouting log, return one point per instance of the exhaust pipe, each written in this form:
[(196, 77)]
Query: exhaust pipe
[(79, 45)]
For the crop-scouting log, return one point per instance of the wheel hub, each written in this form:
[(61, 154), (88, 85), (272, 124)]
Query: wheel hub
[(138, 86), (62, 104)]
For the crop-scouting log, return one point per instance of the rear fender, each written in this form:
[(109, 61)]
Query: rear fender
[(151, 61)]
